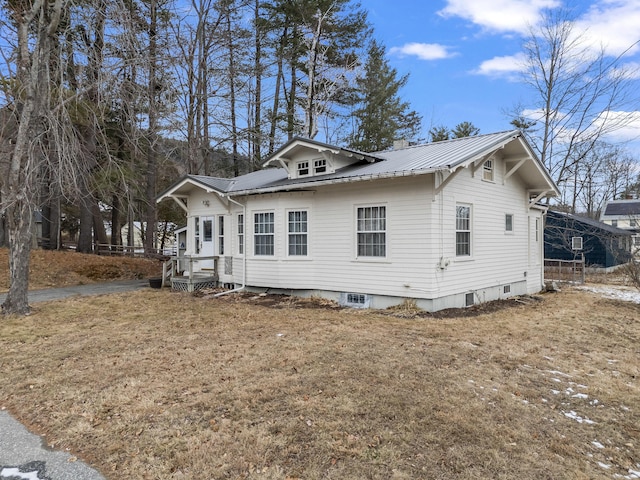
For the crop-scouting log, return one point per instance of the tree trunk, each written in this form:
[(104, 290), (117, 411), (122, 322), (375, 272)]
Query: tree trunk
[(152, 161)]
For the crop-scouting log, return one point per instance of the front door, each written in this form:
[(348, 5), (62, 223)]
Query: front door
[(206, 241)]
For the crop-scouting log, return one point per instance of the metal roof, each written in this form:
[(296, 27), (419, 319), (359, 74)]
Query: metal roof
[(447, 155), (621, 208), (590, 222)]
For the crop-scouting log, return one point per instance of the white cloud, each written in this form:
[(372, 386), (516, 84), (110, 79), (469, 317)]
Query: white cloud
[(623, 126), (499, 15), (613, 25), (509, 66), (424, 51)]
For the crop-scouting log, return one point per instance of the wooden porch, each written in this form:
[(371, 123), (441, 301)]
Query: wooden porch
[(184, 273)]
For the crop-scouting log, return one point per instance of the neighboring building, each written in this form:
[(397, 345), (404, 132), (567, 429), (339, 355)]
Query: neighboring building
[(445, 224), (568, 237), (624, 214)]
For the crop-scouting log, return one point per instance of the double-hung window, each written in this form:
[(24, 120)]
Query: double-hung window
[(297, 230), (221, 235), (240, 234), (372, 231), (463, 230), (303, 169), (487, 170), (319, 166), (264, 233)]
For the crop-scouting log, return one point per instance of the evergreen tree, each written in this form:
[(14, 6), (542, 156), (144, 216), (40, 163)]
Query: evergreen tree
[(381, 116), (465, 129), (439, 133)]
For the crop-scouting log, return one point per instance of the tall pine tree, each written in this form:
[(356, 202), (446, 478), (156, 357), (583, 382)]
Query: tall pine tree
[(381, 116)]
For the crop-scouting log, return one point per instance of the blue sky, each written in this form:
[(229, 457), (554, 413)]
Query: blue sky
[(462, 54)]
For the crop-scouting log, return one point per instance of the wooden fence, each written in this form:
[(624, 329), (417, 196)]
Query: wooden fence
[(572, 271)]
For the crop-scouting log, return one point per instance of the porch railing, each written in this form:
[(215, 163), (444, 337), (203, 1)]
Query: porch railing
[(183, 266)]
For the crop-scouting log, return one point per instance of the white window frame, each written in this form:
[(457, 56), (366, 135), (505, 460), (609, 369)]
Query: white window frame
[(196, 235), (302, 169), (509, 221), (371, 231), (240, 225), (263, 230), (298, 233), (220, 234), (488, 170), (319, 166), (464, 229)]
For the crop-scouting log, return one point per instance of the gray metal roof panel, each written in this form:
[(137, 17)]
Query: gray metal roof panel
[(591, 222), (622, 208)]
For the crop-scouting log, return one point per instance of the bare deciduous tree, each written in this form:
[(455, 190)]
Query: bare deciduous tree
[(580, 94)]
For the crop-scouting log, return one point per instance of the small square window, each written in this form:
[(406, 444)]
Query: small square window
[(469, 299), (303, 169), (319, 166)]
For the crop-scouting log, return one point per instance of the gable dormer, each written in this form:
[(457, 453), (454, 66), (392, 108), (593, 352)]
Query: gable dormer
[(304, 158)]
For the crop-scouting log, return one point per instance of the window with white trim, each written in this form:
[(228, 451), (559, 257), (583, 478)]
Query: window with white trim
[(508, 222), (319, 166), (297, 228), (372, 231), (303, 169), (463, 230), (264, 233), (240, 234), (221, 235), (487, 170), (196, 234)]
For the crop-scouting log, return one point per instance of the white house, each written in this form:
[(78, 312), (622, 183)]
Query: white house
[(445, 224), (624, 214)]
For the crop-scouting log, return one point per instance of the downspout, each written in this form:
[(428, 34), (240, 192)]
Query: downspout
[(244, 253)]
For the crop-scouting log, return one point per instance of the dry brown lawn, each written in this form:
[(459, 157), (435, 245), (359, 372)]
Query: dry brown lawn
[(162, 385), (63, 268)]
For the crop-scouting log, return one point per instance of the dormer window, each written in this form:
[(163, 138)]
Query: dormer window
[(303, 169), (319, 166), (487, 170)]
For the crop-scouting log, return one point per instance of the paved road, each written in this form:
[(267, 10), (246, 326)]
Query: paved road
[(49, 294), (24, 455)]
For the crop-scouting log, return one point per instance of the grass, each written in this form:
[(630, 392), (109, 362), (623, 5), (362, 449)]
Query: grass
[(161, 385)]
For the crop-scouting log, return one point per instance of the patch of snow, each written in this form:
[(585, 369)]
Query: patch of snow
[(626, 294), (604, 465), (574, 416), (633, 473), (555, 392), (16, 473), (580, 395), (597, 444), (557, 372)]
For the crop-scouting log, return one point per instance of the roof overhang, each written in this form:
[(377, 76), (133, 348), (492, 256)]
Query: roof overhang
[(181, 190), (296, 145)]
